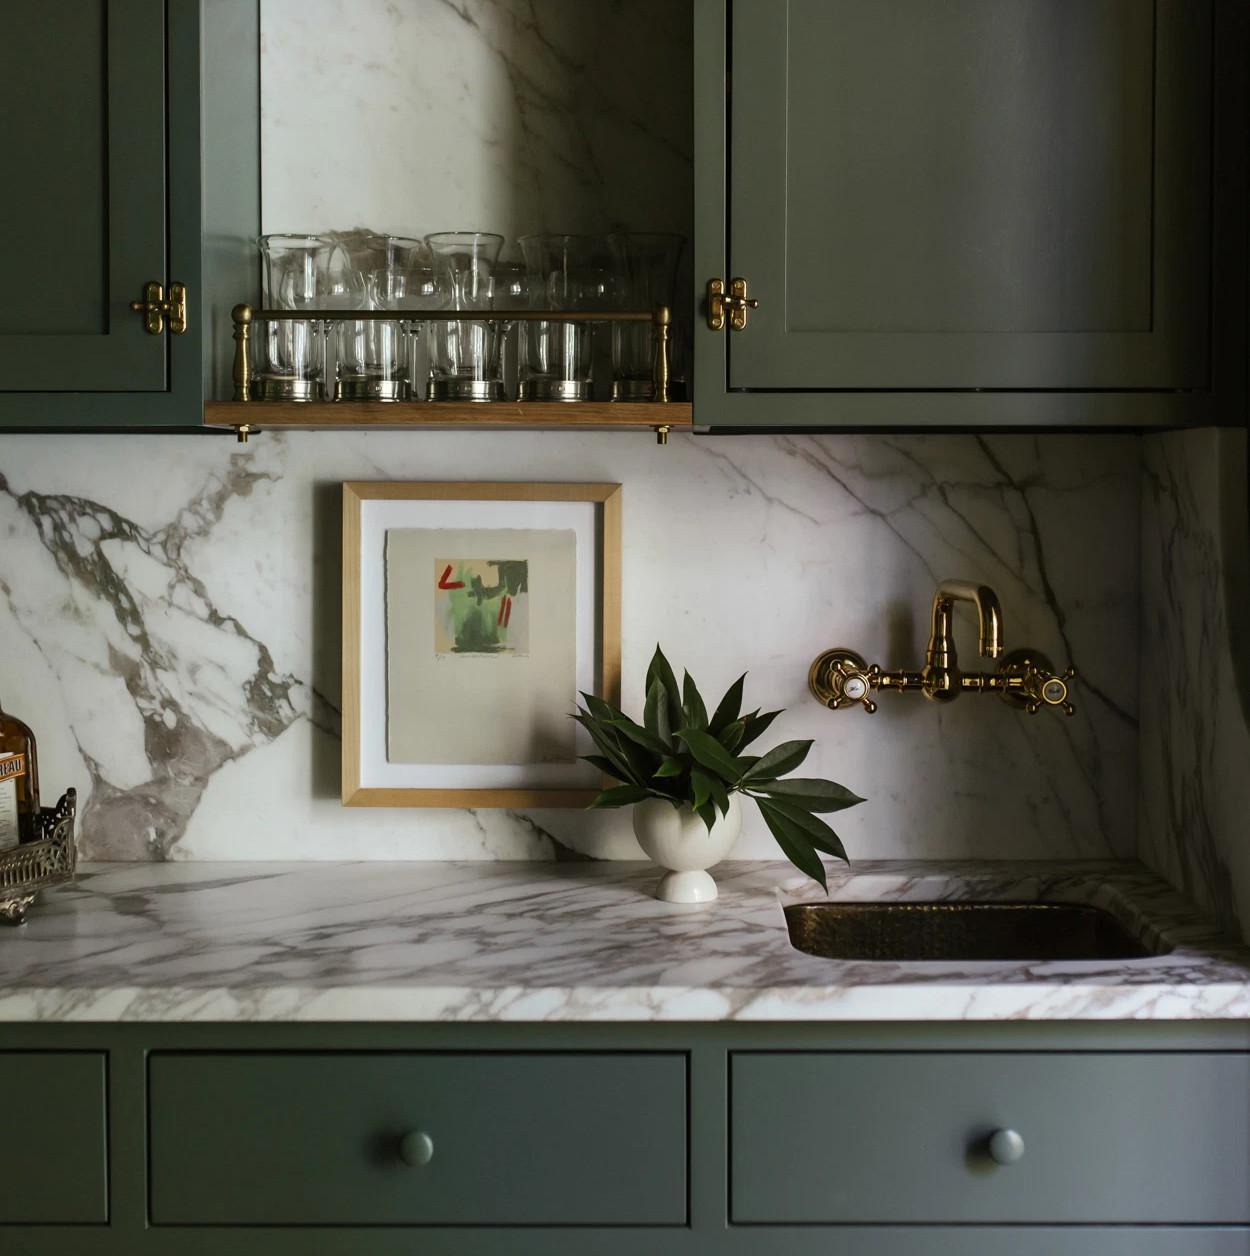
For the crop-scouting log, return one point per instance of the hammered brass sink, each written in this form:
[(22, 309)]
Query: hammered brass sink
[(919, 932)]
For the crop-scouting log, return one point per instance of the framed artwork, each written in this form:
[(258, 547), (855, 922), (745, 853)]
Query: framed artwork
[(473, 615)]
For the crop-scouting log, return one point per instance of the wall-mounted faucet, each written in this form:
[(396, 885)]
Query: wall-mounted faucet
[(1024, 677)]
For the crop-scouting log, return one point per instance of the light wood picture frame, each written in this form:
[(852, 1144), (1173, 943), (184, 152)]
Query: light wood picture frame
[(390, 679)]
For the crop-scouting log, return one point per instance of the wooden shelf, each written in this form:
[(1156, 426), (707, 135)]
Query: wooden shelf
[(449, 415)]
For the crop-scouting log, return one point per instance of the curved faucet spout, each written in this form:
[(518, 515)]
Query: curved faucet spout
[(942, 681)]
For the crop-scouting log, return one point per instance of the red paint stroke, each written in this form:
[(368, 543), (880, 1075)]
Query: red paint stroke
[(508, 611), (504, 603), (444, 583)]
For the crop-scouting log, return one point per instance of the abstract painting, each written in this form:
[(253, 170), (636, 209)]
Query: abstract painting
[(481, 606)]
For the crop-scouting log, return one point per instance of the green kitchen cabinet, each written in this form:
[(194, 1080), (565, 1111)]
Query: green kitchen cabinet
[(669, 1139), (130, 136), (972, 214)]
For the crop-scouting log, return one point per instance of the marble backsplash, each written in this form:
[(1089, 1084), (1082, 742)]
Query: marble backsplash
[(170, 616), (488, 115), (1195, 741)]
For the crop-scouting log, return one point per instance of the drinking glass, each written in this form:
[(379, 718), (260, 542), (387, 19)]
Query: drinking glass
[(293, 366), (407, 289), (555, 357), (646, 268), (465, 359)]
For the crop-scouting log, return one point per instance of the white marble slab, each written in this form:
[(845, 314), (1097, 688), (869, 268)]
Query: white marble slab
[(169, 609), (534, 942)]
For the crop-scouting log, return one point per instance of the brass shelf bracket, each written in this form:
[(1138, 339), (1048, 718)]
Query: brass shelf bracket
[(156, 308)]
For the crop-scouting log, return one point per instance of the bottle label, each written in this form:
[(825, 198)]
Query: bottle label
[(11, 767)]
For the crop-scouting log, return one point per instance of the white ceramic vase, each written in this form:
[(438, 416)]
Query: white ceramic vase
[(678, 840)]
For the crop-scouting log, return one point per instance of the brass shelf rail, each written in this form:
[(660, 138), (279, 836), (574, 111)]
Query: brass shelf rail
[(426, 414)]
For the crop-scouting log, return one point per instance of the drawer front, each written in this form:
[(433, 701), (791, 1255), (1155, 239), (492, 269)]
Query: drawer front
[(546, 1138), (1108, 1137), (53, 1161)]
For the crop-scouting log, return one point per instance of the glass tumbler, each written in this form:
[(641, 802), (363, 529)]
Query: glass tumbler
[(646, 269), (375, 355), (293, 353), (466, 362), (555, 357), (407, 290)]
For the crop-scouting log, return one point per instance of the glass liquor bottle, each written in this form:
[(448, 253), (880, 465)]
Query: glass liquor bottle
[(19, 783)]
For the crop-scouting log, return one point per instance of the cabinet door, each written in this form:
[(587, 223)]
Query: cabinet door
[(556, 1138), (129, 131), (83, 137), (53, 1161), (1003, 197), (1102, 1137)]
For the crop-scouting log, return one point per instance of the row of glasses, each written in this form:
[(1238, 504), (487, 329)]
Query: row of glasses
[(376, 359)]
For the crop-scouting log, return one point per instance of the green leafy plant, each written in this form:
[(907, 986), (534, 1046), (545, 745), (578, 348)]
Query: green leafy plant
[(688, 758)]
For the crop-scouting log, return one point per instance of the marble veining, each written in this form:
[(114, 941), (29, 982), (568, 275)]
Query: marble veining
[(525, 942), (1194, 790), (435, 115), (170, 613)]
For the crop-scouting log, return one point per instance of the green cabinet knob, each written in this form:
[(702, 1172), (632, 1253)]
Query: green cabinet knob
[(416, 1148), (1006, 1147)]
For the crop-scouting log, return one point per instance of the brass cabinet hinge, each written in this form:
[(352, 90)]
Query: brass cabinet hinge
[(734, 304), (155, 308)]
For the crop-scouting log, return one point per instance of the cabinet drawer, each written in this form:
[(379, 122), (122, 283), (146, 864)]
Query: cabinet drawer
[(1107, 1137), (53, 1162), (544, 1138)]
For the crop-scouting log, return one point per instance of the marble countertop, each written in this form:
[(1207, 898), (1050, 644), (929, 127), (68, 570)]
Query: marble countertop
[(570, 942)]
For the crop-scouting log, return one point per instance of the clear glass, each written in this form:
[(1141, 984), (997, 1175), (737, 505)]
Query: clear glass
[(646, 275), (556, 358), (407, 289), (466, 363), (292, 365)]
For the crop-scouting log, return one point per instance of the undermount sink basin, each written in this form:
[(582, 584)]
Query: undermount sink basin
[(912, 932)]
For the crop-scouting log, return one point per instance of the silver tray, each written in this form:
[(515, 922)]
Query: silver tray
[(25, 870)]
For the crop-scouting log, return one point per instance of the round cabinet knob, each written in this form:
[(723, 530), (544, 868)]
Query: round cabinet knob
[(1006, 1147), (416, 1148)]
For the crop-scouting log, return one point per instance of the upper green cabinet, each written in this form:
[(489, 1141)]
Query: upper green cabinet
[(129, 133), (975, 213)]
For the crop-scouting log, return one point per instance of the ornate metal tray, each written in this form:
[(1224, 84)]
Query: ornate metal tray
[(25, 870)]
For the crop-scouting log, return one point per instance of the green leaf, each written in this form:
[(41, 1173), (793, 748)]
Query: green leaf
[(755, 724), (710, 753), (729, 708), (599, 709), (670, 767), (817, 832), (810, 792), (700, 782), (661, 671), (731, 736), (794, 843), (655, 713), (602, 763), (706, 813), (785, 758), (612, 748), (720, 795), (694, 713), (639, 735), (621, 796)]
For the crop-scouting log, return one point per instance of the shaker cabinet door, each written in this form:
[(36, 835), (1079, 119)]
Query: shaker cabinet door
[(129, 133), (82, 132), (936, 202)]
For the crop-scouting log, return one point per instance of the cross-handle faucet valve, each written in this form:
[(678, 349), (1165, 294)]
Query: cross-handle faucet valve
[(1025, 678)]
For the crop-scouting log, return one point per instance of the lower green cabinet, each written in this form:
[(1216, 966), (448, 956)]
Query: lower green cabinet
[(53, 1171), (542, 1138), (1081, 1137), (626, 1140)]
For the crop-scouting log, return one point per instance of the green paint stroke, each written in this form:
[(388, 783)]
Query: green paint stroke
[(475, 610)]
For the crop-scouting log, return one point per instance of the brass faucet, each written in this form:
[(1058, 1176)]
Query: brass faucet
[(1025, 678)]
